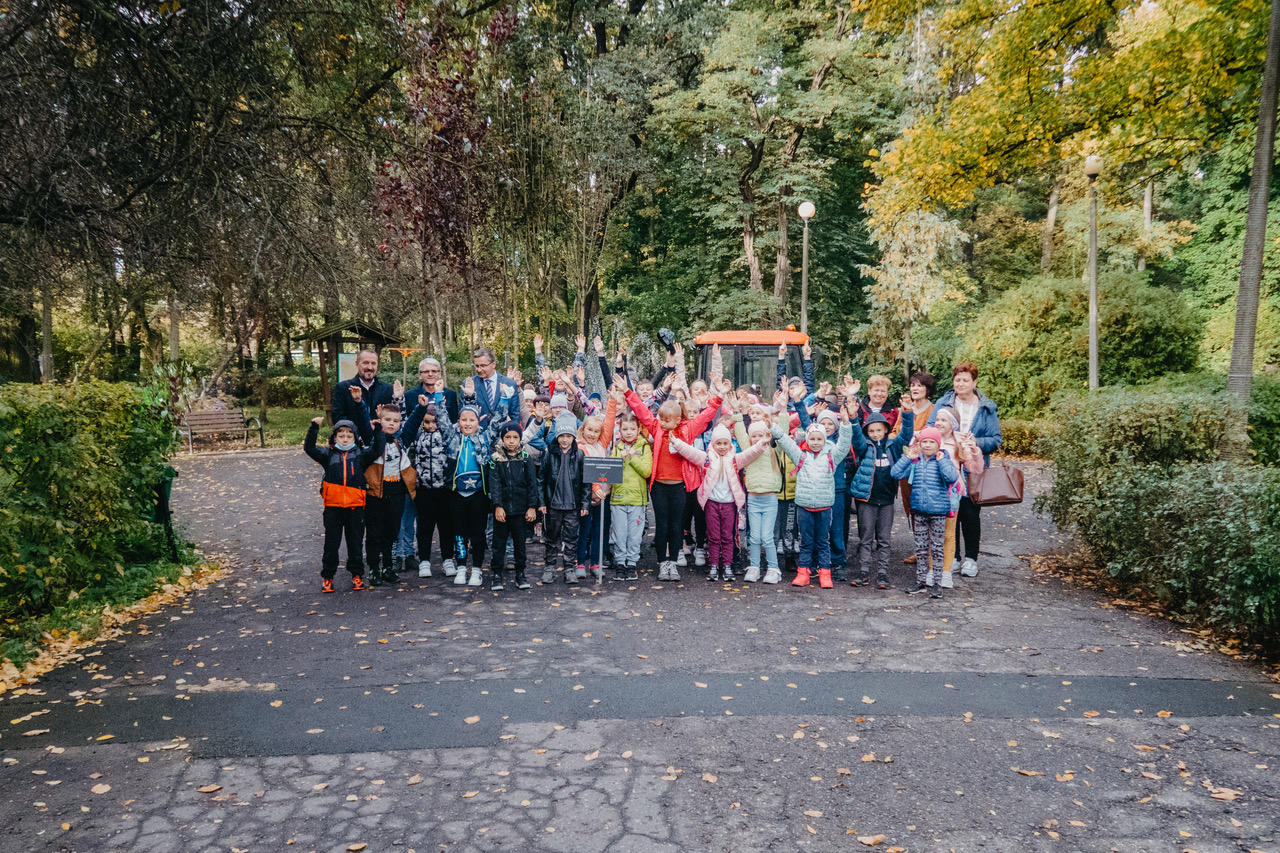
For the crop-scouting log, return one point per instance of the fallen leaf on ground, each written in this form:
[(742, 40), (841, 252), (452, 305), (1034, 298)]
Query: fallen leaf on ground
[(870, 756), (844, 771), (797, 735), (356, 848), (320, 787), (1091, 714), (35, 732), (867, 700), (1030, 772), (471, 720), (415, 779), (469, 794), (209, 789), (314, 731), (1077, 823), (1147, 774), (591, 756), (626, 754), (277, 703), (1164, 713), (101, 788), (710, 777), (698, 684), (1225, 794), (871, 840), (813, 813)]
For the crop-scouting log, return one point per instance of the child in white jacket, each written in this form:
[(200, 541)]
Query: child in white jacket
[(721, 493)]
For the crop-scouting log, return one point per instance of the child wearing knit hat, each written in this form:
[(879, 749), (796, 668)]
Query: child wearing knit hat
[(721, 493), (931, 472), (764, 477), (565, 498)]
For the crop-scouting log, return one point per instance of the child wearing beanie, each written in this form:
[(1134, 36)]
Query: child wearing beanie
[(565, 498), (721, 493), (816, 494), (931, 473), (514, 490), (873, 489), (764, 477)]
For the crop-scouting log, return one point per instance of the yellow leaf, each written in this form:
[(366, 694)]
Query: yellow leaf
[(100, 788), (276, 704), (643, 657), (710, 777), (472, 720), (1164, 713), (1077, 823), (415, 779), (314, 731), (626, 754), (1184, 833), (591, 756), (357, 847), (813, 813), (469, 794), (1149, 775), (698, 684), (104, 737), (871, 840), (66, 826), (867, 700)]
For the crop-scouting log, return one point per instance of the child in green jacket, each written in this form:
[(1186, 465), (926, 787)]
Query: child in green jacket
[(630, 497)]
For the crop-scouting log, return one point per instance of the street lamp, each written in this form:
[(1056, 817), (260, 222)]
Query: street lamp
[(806, 212), (1093, 168)]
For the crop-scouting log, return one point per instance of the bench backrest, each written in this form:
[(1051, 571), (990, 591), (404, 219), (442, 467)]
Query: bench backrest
[(215, 419)]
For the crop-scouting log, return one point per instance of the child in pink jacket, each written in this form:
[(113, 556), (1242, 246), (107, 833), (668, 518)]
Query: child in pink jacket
[(721, 492)]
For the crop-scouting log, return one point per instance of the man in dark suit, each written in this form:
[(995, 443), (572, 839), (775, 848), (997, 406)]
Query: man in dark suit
[(429, 374), (495, 395), (359, 398)]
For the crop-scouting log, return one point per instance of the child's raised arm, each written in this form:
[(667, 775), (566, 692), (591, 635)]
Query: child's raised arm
[(688, 451), (320, 455), (785, 441)]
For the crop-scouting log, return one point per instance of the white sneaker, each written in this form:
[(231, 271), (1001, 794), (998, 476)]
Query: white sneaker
[(969, 568), (460, 577), (752, 575), (947, 582), (772, 576), (681, 559), (476, 579), (699, 557), (424, 569), (673, 574), (663, 570), (448, 568)]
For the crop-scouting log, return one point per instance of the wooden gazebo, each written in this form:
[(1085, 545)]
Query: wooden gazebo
[(329, 341)]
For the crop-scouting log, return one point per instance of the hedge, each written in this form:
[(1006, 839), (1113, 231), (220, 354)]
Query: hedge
[(78, 472), (1136, 476)]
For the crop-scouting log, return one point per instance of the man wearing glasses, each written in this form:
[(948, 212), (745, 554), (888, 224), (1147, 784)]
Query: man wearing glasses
[(430, 375), (497, 396)]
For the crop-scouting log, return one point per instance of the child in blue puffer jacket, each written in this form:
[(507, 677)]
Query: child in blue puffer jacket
[(931, 473)]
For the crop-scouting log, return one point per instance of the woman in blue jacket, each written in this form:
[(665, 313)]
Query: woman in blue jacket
[(979, 423)]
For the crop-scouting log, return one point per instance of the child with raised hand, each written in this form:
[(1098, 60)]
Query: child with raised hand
[(565, 499), (815, 494), (390, 480), (721, 493), (947, 422), (343, 492), (672, 475), (430, 441), (932, 473), (630, 498), (595, 437), (469, 450), (516, 493), (763, 479), (873, 488)]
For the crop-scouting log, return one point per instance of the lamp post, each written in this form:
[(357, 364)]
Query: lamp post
[(1093, 168), (806, 212)]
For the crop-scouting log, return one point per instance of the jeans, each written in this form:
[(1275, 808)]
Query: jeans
[(668, 513), (514, 527), (408, 527), (762, 516), (815, 538), (839, 531), (338, 522), (875, 526), (434, 513), (722, 526), (628, 531)]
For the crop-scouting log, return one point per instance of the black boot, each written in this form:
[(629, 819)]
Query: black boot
[(521, 581), (375, 576), (390, 575)]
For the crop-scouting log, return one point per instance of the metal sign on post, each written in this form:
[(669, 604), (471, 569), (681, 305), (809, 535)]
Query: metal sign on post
[(602, 471)]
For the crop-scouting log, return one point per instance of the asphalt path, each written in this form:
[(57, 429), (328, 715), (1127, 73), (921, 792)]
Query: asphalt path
[(1015, 714)]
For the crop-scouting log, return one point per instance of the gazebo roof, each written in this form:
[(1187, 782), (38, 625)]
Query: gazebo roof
[(361, 332)]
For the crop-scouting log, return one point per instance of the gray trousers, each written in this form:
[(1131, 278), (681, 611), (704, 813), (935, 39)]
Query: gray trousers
[(875, 525)]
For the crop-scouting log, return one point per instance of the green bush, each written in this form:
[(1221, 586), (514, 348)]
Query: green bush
[(289, 392), (1264, 419), (1021, 438), (78, 473), (1033, 341), (1136, 476)]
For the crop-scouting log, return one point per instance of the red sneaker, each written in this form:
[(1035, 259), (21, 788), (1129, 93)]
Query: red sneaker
[(824, 578), (802, 578), (326, 585), (357, 583)]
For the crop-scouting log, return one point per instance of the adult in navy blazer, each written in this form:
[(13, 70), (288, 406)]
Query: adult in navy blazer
[(373, 392), (495, 394)]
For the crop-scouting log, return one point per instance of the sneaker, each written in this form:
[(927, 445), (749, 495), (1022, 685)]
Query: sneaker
[(521, 581), (839, 576), (969, 568), (802, 577), (727, 574), (357, 583), (476, 577), (772, 576), (390, 576), (824, 578), (864, 579), (936, 592), (882, 582), (449, 568), (699, 556), (947, 582), (375, 577), (673, 574), (918, 588), (599, 573), (713, 575), (570, 577), (681, 559), (663, 571), (549, 576), (424, 569), (460, 576), (752, 575), (496, 584), (326, 584), (628, 573), (581, 571), (412, 564)]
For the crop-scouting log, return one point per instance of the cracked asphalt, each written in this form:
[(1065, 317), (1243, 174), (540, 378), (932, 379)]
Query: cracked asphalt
[(1016, 714)]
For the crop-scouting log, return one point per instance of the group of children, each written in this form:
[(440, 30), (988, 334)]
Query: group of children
[(736, 481)]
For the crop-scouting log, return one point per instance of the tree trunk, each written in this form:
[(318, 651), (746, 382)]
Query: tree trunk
[(1147, 199), (46, 331), (175, 317), (748, 193), (1046, 242), (435, 309), (782, 267), (1240, 377)]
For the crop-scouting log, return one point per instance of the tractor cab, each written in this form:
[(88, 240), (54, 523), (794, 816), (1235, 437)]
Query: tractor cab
[(750, 357)]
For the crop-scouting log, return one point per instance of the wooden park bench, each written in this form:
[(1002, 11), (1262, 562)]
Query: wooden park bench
[(213, 421)]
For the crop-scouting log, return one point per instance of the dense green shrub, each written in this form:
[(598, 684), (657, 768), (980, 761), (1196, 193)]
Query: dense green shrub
[(1034, 340), (1021, 438), (1136, 476), (1264, 419), (78, 471), (289, 392)]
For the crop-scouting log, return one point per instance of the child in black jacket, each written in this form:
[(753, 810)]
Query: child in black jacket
[(565, 498), (343, 490), (514, 490)]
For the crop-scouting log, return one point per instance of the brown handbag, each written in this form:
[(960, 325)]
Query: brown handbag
[(998, 485)]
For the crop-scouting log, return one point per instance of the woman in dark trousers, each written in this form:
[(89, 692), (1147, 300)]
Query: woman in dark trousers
[(979, 421)]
